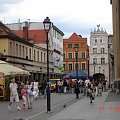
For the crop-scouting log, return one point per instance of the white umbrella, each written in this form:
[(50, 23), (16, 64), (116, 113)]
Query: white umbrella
[(8, 70)]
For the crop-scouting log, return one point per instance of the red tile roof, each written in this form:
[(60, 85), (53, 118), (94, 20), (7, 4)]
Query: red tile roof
[(38, 36), (75, 37)]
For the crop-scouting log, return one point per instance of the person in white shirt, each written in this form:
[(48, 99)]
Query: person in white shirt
[(13, 94), (35, 89)]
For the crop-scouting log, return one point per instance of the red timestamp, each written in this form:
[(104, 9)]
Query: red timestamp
[(110, 108)]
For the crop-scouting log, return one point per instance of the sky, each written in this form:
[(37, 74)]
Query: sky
[(69, 16)]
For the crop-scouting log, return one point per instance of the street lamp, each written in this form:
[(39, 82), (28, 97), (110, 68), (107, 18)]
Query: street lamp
[(47, 26), (99, 69), (94, 64), (103, 71), (88, 66), (76, 48)]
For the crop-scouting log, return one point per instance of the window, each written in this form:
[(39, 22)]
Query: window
[(38, 56), (16, 49), (23, 51), (76, 46), (94, 50), (30, 54), (69, 45), (44, 57), (95, 60), (102, 60), (41, 56), (95, 40), (26, 53), (34, 55), (83, 55), (20, 50), (102, 50), (101, 40), (70, 55), (10, 48), (64, 66), (83, 66), (70, 66), (63, 55)]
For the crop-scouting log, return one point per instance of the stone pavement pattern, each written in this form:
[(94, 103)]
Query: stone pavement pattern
[(103, 108), (39, 106)]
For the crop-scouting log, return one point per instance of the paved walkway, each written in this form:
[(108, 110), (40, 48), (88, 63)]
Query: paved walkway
[(103, 108)]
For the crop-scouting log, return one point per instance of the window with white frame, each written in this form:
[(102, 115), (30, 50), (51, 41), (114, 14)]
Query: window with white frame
[(102, 60), (83, 66), (69, 55), (102, 50), (95, 60), (16, 49), (10, 48), (83, 55), (101, 40), (94, 50), (95, 40), (20, 50), (69, 45), (70, 66)]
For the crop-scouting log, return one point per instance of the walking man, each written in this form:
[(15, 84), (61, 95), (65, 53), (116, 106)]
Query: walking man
[(13, 94)]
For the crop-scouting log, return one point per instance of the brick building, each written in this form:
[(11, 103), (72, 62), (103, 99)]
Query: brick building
[(69, 53)]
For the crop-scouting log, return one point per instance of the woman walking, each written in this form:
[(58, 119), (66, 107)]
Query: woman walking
[(24, 95), (91, 92), (29, 94)]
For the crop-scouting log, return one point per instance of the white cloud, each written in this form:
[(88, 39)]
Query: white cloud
[(77, 15)]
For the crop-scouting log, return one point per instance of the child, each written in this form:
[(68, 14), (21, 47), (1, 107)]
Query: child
[(24, 95)]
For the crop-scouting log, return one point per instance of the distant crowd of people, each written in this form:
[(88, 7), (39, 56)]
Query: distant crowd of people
[(31, 90)]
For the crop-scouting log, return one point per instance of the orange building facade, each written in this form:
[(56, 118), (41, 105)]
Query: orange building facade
[(69, 54)]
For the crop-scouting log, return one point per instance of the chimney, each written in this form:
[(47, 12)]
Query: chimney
[(25, 30)]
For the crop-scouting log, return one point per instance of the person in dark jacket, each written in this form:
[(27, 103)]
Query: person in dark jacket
[(77, 90), (65, 86)]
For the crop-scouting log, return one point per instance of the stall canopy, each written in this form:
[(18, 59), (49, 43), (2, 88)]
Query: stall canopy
[(81, 74), (8, 70)]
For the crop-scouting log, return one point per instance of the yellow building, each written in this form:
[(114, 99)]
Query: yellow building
[(23, 54)]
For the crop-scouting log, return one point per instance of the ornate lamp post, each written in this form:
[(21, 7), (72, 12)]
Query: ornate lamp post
[(94, 64), (88, 66), (99, 69), (76, 48), (47, 26)]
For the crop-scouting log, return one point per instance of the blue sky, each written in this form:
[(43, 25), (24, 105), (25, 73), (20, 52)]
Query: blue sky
[(70, 16)]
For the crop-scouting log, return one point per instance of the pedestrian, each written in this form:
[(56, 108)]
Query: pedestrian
[(24, 95), (100, 88), (60, 85), (91, 93), (13, 94), (77, 90), (35, 89), (29, 94), (65, 86)]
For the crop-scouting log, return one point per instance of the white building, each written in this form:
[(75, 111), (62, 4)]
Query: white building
[(98, 52)]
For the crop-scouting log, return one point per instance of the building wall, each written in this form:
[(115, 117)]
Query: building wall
[(83, 48), (98, 41), (55, 41), (116, 36)]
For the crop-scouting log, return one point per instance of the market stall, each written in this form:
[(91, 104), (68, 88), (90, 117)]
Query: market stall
[(7, 72)]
